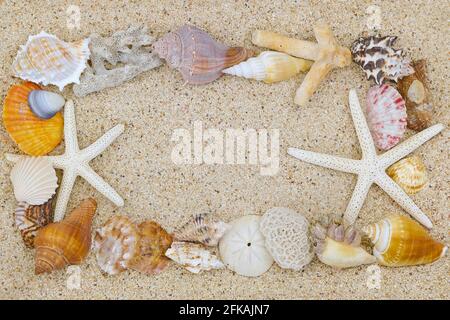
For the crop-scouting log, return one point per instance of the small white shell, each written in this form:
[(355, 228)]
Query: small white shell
[(194, 257), (45, 104), (242, 248), (34, 180)]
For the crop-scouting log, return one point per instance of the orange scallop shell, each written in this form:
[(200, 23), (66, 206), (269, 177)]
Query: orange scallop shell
[(33, 135)]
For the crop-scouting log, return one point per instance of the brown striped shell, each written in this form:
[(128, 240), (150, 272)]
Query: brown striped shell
[(203, 228)]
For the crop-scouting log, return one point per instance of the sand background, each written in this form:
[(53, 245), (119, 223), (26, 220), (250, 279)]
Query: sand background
[(155, 103)]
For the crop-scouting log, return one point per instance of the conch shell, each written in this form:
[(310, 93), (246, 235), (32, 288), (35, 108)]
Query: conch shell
[(400, 241), (202, 228), (270, 66), (198, 57), (339, 247), (33, 135), (66, 242), (414, 90), (409, 173)]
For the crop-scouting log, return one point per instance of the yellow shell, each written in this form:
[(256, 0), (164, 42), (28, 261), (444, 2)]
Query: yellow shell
[(409, 173), (400, 241), (33, 135)]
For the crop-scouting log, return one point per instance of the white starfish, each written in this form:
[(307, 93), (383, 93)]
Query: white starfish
[(371, 168), (75, 162)]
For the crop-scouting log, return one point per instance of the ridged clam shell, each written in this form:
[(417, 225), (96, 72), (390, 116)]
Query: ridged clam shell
[(202, 228), (33, 135), (45, 104), (46, 59), (400, 241), (34, 180), (194, 257), (409, 173), (270, 66), (386, 115)]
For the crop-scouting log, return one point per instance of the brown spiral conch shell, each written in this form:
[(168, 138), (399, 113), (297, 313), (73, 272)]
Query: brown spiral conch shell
[(66, 242), (29, 219), (203, 228), (198, 57)]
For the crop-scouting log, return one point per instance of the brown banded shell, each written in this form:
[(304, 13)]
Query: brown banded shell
[(203, 228), (409, 173), (198, 57)]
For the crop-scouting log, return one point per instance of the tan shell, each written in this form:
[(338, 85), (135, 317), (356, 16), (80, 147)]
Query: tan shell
[(203, 228), (409, 173)]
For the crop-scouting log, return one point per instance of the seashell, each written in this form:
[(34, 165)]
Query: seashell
[(201, 228), (339, 247), (286, 234), (116, 244), (414, 90), (242, 248), (152, 245), (34, 180), (386, 115), (33, 135), (198, 57), (270, 66), (66, 242), (194, 257), (45, 104), (409, 173), (400, 241), (29, 219), (379, 60), (46, 59)]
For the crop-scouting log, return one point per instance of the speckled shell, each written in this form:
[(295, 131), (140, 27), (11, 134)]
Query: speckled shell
[(243, 249), (400, 241), (46, 59), (198, 57), (34, 180), (194, 257), (339, 247), (379, 60), (203, 228), (152, 245), (116, 244), (29, 219), (33, 135), (409, 173), (270, 67), (286, 234), (66, 242), (414, 90), (45, 104), (386, 116)]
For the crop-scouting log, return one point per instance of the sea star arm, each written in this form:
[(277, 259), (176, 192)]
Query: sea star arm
[(311, 82), (397, 193), (101, 185), (70, 128), (327, 161), (101, 144), (357, 200), (361, 127), (65, 189), (402, 150)]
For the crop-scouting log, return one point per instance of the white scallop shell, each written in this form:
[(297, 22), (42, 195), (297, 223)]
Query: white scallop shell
[(46, 59), (242, 248), (194, 257), (34, 180), (45, 104), (286, 234)]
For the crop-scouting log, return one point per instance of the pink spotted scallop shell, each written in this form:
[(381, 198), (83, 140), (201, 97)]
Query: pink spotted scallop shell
[(386, 115)]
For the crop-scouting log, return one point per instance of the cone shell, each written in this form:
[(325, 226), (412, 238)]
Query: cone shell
[(153, 243), (270, 66), (116, 244), (409, 173), (45, 104), (202, 228), (34, 180), (198, 57), (194, 257), (33, 135), (66, 242), (400, 241), (386, 115), (339, 247), (46, 59), (29, 219)]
